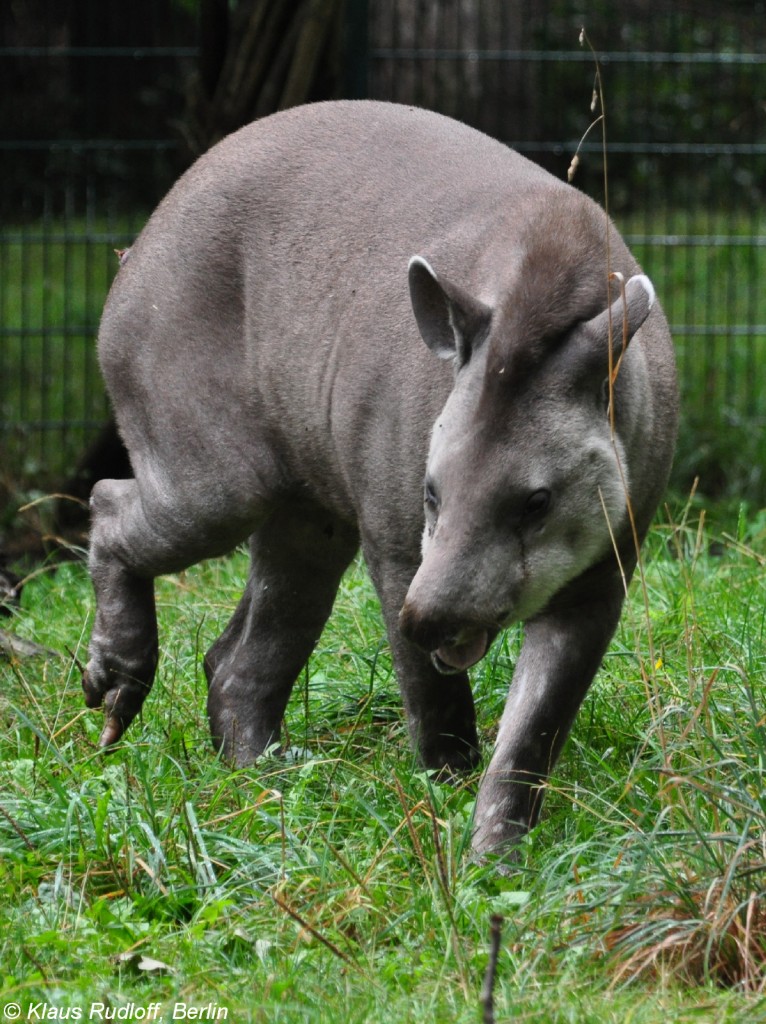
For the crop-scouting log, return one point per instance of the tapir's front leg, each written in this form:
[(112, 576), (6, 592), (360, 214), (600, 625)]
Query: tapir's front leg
[(561, 654), (440, 710)]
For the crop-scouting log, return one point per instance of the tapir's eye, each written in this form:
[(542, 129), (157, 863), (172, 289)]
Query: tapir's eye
[(604, 395), (430, 498), (537, 504)]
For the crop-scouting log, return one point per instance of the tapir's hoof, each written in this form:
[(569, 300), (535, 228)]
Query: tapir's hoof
[(498, 841), (241, 738), (451, 762), (505, 860)]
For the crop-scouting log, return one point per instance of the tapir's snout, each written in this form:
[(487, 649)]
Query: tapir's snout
[(454, 645)]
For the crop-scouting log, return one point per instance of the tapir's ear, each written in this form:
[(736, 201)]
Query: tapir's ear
[(451, 322), (625, 316)]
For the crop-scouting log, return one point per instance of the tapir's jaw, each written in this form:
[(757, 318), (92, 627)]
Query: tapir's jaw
[(451, 658)]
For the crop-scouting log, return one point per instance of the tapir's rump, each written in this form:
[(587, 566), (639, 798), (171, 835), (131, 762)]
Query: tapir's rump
[(263, 349)]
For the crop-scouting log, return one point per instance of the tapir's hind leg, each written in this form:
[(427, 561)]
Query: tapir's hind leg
[(298, 557), (135, 536)]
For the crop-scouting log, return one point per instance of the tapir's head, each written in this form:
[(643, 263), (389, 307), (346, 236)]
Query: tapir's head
[(526, 480)]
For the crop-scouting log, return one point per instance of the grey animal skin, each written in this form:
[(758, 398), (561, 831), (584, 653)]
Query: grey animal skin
[(261, 352)]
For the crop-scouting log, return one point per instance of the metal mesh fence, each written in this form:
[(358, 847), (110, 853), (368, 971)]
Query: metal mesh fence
[(91, 137)]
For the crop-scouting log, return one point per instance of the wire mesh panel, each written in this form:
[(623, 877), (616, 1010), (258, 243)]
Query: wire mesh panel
[(56, 271)]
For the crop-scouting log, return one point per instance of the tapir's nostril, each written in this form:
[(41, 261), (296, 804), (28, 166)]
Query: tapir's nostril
[(425, 632), (405, 620)]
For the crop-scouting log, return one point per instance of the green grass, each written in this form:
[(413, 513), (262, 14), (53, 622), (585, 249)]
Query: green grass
[(334, 884)]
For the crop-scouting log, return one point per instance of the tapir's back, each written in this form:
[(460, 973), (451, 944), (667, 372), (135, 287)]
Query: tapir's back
[(334, 186)]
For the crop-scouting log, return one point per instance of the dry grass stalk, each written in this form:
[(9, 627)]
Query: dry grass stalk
[(708, 935)]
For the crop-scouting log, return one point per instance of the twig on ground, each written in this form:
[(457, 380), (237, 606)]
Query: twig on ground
[(487, 997)]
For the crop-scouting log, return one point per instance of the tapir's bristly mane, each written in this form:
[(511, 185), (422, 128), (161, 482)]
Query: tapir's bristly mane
[(562, 280)]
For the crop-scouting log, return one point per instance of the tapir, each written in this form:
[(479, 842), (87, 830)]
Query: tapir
[(360, 324)]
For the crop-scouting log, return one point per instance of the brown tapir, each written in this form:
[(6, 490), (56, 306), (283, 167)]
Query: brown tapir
[(261, 349)]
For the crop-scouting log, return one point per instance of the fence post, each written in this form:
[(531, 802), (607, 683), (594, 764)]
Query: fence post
[(357, 48)]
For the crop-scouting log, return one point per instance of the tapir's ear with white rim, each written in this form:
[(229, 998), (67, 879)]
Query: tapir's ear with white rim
[(451, 322), (625, 316)]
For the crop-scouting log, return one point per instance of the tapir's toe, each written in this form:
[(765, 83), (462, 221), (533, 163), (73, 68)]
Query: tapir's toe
[(112, 732), (122, 699)]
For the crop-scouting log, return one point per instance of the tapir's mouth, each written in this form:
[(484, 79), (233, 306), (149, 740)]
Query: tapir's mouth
[(457, 657)]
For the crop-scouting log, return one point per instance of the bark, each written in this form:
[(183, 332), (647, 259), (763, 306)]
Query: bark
[(269, 55)]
